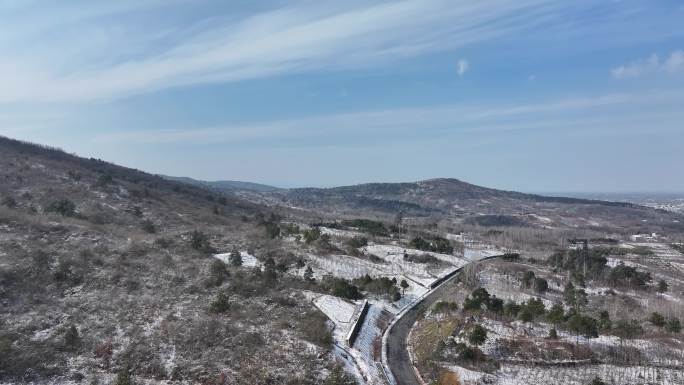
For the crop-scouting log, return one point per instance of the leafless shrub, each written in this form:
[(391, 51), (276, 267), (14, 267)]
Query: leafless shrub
[(163, 243), (99, 216), (284, 301), (148, 226), (315, 329), (136, 249), (8, 201), (104, 350), (469, 276)]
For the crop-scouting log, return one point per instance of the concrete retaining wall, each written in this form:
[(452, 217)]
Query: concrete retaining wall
[(354, 331)]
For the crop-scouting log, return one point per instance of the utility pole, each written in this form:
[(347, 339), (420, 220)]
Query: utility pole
[(399, 219), (585, 253)]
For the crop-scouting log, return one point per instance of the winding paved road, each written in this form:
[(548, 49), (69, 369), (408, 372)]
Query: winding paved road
[(397, 354)]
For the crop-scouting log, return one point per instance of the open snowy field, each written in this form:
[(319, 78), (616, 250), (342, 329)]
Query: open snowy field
[(340, 233), (349, 267), (526, 375), (339, 311), (393, 251), (476, 254)]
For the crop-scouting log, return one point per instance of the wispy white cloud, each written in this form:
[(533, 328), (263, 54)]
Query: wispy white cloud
[(462, 66), (103, 51), (673, 63), (87, 50)]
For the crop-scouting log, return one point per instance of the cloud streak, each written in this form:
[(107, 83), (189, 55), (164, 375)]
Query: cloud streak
[(673, 63), (596, 114), (105, 51)]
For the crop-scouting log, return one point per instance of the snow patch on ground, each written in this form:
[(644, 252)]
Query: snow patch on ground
[(612, 262), (466, 376), (519, 374), (344, 266), (412, 293), (392, 253), (541, 218), (594, 290), (348, 361), (525, 375), (339, 311), (454, 237), (363, 350), (476, 254), (248, 260), (168, 359), (669, 297), (43, 335), (150, 327), (340, 233), (515, 296), (359, 358)]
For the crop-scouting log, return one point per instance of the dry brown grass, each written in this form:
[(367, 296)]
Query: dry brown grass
[(447, 377), (427, 334)]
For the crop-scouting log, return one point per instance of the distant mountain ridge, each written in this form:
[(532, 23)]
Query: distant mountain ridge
[(225, 185), (455, 200), (422, 197), (443, 188), (459, 201)]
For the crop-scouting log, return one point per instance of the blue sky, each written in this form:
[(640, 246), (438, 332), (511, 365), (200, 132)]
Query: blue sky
[(531, 95)]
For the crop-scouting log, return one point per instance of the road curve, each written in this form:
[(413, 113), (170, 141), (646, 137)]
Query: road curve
[(396, 350)]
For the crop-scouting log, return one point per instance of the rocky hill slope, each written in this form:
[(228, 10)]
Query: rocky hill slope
[(107, 275)]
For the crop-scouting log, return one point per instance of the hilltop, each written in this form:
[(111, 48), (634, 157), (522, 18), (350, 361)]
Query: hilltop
[(473, 205)]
